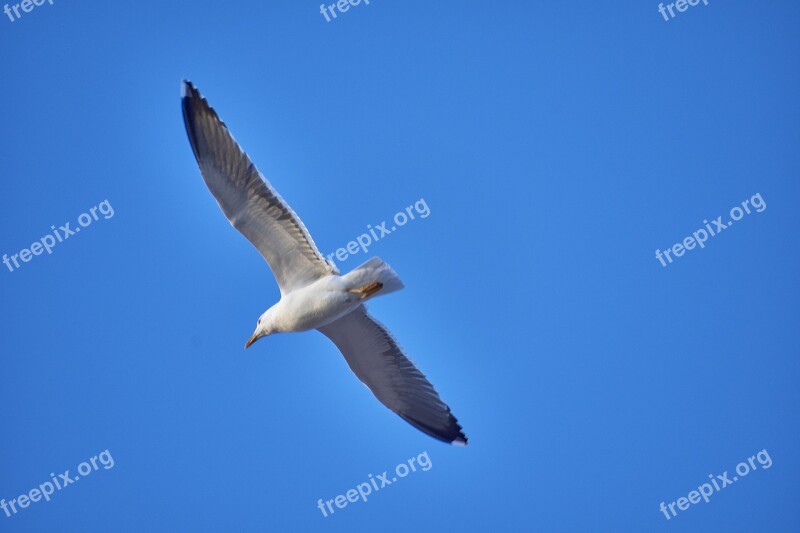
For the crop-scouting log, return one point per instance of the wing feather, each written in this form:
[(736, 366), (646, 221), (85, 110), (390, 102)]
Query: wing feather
[(248, 201), (379, 362)]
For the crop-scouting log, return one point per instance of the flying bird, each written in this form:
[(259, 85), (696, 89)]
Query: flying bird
[(313, 293)]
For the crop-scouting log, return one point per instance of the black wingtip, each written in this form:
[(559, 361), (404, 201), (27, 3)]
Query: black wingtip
[(186, 88), (461, 439), (189, 97), (197, 112), (453, 434)]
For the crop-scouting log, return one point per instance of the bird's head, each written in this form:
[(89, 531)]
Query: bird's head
[(263, 328)]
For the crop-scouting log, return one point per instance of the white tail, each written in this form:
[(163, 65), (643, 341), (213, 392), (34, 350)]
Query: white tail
[(374, 270)]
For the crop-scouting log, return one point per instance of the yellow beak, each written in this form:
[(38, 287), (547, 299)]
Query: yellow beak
[(250, 341)]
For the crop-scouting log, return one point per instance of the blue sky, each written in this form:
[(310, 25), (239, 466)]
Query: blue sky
[(557, 145)]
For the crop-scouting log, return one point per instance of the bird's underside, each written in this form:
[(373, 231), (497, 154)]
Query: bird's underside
[(255, 209)]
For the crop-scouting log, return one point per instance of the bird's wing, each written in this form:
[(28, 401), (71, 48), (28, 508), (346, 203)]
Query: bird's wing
[(380, 363), (251, 204)]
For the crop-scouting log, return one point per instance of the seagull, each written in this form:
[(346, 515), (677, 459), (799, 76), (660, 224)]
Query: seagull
[(313, 293)]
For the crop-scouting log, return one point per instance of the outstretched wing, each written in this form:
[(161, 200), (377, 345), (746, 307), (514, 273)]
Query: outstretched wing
[(251, 204), (380, 363)]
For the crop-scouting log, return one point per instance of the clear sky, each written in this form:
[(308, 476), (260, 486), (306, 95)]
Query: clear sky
[(557, 145)]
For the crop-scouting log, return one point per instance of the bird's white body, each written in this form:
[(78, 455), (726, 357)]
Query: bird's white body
[(327, 299), (313, 306)]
